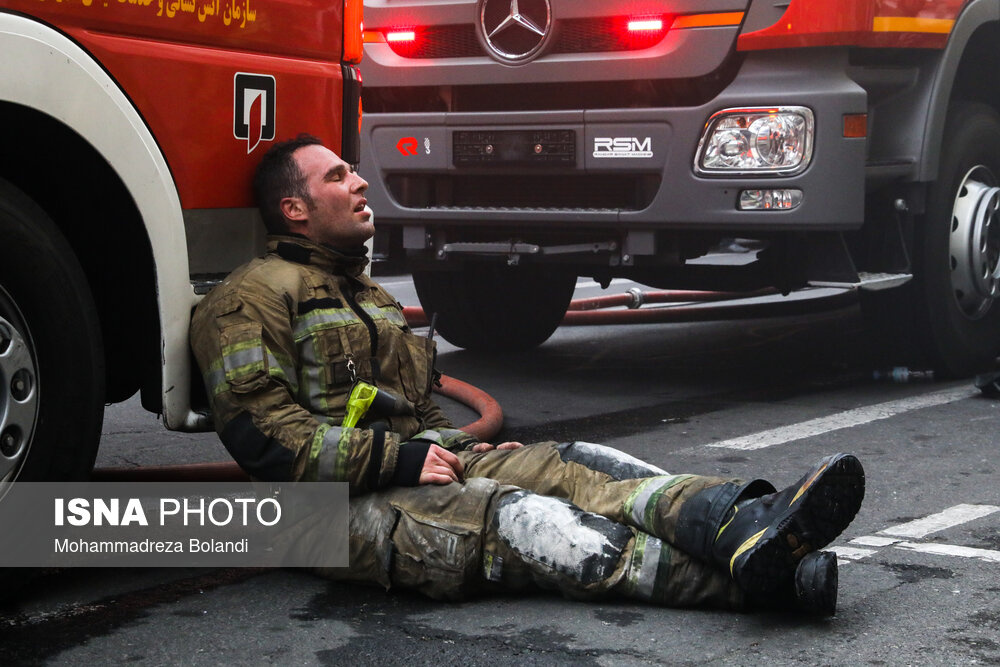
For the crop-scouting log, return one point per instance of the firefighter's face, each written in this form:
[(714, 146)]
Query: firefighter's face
[(336, 215)]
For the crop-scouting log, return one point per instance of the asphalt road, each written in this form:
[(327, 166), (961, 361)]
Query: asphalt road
[(920, 566)]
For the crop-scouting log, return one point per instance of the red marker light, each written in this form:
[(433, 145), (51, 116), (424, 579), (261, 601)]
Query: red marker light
[(401, 36), (642, 32), (354, 29), (645, 25)]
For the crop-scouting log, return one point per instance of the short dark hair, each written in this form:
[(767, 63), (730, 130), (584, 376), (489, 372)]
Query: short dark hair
[(278, 176)]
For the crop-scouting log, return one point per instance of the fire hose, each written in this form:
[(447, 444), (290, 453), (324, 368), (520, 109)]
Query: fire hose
[(594, 311)]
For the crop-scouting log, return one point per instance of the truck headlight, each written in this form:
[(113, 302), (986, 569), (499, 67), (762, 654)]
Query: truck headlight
[(756, 141)]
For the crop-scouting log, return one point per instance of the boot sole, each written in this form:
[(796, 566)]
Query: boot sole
[(826, 504)]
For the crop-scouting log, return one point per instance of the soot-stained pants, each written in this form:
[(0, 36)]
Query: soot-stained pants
[(583, 519)]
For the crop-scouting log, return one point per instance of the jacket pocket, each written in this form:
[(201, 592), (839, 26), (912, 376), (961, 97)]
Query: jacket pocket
[(244, 358), (416, 364), (322, 331), (437, 539)]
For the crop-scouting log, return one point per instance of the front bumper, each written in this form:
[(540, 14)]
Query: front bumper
[(402, 149)]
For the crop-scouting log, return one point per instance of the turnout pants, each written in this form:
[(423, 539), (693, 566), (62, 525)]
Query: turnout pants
[(583, 519)]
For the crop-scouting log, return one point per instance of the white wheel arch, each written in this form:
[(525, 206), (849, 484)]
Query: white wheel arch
[(80, 94)]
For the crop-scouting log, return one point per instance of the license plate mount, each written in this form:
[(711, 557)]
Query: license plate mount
[(521, 148)]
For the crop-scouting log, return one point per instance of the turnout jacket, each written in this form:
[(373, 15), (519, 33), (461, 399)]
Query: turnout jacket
[(280, 344)]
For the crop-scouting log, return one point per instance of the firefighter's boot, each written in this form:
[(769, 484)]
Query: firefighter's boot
[(813, 590), (760, 538), (816, 581)]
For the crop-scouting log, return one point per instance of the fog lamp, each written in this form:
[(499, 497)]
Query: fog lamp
[(770, 200), (757, 141)]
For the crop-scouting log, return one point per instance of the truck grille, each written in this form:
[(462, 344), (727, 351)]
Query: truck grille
[(639, 94), (600, 36), (492, 191), (587, 35)]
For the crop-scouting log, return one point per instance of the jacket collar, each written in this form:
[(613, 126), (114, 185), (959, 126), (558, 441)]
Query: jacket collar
[(299, 249)]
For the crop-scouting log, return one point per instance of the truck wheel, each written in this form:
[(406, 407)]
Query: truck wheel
[(948, 315), (496, 308), (51, 357)]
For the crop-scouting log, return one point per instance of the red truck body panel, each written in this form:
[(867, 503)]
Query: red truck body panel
[(177, 62), (869, 23)]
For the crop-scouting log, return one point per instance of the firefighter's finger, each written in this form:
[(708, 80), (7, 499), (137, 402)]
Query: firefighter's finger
[(510, 445), (447, 457), (436, 478), (437, 473), (440, 467)]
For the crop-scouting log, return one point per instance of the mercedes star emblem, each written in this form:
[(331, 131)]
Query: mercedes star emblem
[(515, 30)]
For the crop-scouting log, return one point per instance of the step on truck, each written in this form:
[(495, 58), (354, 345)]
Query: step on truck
[(130, 130), (513, 145)]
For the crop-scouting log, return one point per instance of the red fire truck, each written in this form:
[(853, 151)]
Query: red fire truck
[(513, 145), (130, 131)]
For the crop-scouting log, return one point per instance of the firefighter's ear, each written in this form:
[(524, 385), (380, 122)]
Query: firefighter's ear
[(294, 209)]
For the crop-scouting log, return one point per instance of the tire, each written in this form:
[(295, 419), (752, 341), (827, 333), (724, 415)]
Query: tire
[(51, 356), (990, 388), (496, 308), (948, 317)]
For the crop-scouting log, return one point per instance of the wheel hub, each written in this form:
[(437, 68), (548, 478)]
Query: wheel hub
[(975, 243), (18, 387)]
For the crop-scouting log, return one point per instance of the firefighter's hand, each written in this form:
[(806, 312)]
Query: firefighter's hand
[(485, 446), (441, 467), (510, 445)]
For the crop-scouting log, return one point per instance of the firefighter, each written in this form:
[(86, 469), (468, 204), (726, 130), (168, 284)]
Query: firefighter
[(282, 341)]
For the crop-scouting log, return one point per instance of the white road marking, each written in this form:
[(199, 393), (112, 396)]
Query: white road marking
[(842, 420), (953, 516), (919, 528), (852, 553), (873, 541), (952, 550)]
